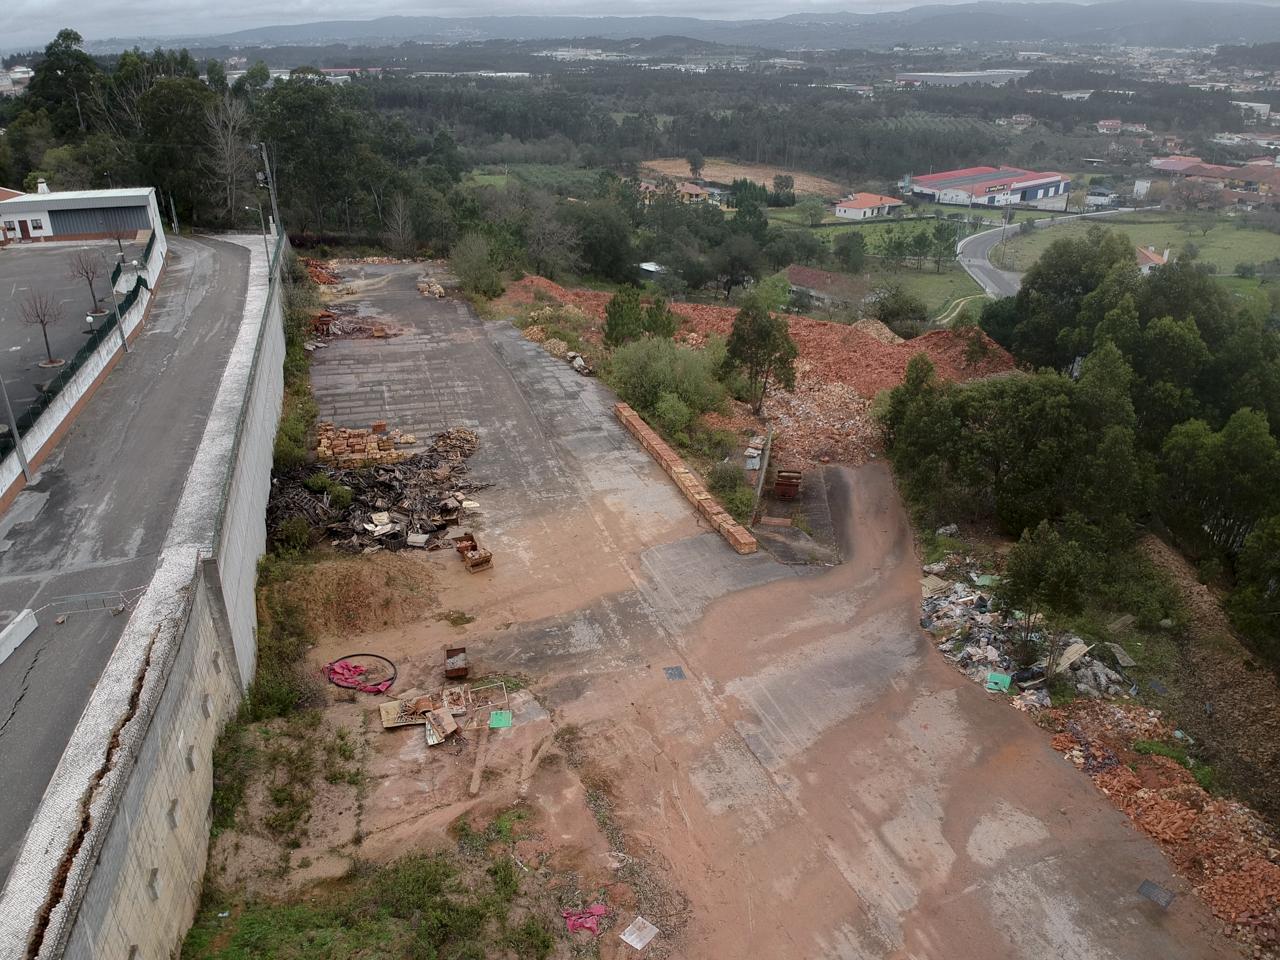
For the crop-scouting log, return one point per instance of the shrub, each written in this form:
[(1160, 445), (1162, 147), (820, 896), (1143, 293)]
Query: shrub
[(472, 262), (672, 413), (644, 370), (624, 317)]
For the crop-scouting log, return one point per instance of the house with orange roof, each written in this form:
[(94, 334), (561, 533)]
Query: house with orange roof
[(864, 206), (1149, 259)]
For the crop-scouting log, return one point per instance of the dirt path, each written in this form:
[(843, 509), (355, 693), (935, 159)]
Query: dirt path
[(818, 784)]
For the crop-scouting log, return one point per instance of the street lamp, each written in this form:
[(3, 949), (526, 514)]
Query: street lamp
[(263, 223), (115, 304)]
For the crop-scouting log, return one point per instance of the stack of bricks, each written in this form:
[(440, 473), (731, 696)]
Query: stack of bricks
[(687, 481), (345, 446)]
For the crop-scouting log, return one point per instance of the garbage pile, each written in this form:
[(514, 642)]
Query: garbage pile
[(449, 710), (384, 506), (985, 644), (429, 288), (358, 446)]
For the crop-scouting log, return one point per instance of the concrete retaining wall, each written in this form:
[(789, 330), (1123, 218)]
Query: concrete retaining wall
[(687, 481), (112, 864)]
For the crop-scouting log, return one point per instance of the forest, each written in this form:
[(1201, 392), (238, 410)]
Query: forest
[(1155, 405)]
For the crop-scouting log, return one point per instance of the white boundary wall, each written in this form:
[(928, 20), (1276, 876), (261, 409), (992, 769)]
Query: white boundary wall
[(112, 863)]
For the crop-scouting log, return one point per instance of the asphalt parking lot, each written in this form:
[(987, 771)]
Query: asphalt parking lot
[(44, 268)]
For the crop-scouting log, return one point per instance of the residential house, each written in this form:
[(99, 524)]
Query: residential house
[(824, 287), (1149, 259), (864, 206), (692, 193)]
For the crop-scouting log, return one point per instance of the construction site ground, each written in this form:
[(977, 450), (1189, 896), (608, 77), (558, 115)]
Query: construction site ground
[(813, 782)]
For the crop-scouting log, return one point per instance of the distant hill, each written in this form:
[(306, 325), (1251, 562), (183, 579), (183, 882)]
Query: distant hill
[(1140, 22)]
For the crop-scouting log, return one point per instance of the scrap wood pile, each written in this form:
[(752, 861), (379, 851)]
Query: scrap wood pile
[(1227, 852), (409, 503), (320, 273), (985, 645), (450, 710)]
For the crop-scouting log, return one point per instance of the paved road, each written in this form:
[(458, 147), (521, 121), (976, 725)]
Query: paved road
[(97, 515), (975, 254)]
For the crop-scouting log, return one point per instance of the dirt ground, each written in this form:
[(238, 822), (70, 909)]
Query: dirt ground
[(811, 782), (725, 171)]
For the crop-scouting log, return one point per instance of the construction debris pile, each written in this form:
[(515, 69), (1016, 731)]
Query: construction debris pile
[(985, 645), (1227, 852), (343, 322), (449, 711), (429, 288), (821, 421), (407, 503), (354, 446), (320, 273)]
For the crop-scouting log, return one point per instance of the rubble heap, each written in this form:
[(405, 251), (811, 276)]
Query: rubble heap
[(1227, 852), (320, 273), (430, 288), (342, 322), (356, 446), (409, 503), (982, 641)]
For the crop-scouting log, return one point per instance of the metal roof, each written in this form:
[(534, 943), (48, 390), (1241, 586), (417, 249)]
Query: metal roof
[(79, 199)]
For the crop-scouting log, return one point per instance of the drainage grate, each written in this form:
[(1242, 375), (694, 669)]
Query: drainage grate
[(1156, 893), (674, 673)]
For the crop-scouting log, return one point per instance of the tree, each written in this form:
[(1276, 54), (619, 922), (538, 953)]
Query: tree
[(696, 163), (812, 211), (1043, 577), (904, 314), (62, 82), (1254, 605), (751, 220), (604, 236), (551, 244), (783, 183), (399, 235), (216, 75), (624, 318), (735, 261), (761, 349), (943, 243), (42, 310), (659, 321), (850, 250), (472, 263), (86, 265), (228, 161), (920, 247)]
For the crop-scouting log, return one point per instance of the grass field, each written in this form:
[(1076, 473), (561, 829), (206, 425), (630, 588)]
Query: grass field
[(1225, 246), (726, 171), (939, 291), (558, 178)]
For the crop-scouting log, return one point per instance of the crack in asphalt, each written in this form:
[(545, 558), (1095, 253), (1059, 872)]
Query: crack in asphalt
[(22, 691)]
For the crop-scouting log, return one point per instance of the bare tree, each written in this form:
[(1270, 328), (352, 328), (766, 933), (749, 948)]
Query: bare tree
[(87, 266), (228, 161), (399, 234), (40, 308)]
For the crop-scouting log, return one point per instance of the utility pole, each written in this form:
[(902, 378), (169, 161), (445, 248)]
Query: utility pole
[(271, 185)]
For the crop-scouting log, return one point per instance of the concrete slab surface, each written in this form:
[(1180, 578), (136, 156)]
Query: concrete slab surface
[(822, 784)]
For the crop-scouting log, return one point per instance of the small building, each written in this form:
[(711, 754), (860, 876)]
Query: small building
[(1253, 111), (1109, 126), (1149, 259), (78, 215), (692, 193), (987, 186), (864, 206)]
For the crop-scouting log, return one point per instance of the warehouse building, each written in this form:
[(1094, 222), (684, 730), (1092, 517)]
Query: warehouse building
[(986, 186), (78, 214)]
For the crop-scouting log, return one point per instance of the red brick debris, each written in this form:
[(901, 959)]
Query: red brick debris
[(1226, 851), (320, 273), (836, 352)]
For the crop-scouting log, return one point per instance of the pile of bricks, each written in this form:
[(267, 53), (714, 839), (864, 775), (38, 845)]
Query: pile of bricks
[(687, 481), (349, 446)]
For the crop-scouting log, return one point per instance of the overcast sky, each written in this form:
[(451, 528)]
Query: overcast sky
[(26, 24)]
